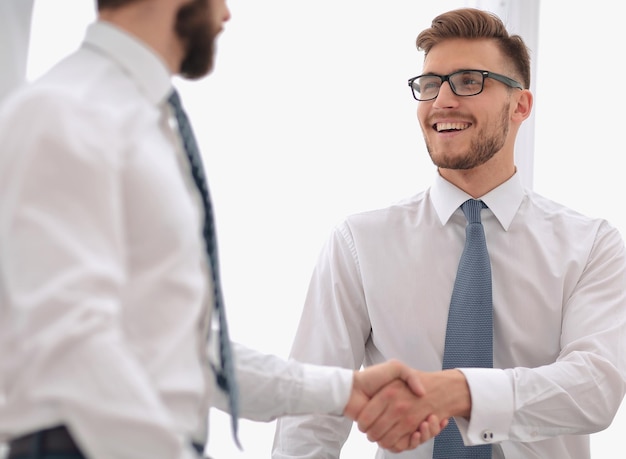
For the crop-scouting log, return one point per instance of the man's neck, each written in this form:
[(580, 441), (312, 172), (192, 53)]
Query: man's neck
[(153, 23)]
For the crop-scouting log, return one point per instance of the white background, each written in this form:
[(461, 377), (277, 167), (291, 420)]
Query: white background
[(308, 118)]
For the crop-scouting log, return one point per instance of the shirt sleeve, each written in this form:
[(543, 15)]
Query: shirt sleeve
[(581, 391), (271, 387), (62, 259), (336, 300)]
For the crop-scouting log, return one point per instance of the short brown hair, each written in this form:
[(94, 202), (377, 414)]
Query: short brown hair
[(473, 23), (104, 4)]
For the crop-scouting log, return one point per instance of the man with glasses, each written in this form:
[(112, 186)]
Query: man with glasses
[(386, 285)]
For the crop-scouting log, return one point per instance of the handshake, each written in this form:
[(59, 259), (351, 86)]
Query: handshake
[(400, 408)]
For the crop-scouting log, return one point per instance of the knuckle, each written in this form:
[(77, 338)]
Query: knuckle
[(373, 436), (386, 443), (392, 391), (402, 408)]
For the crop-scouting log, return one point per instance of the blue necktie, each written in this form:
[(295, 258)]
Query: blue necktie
[(225, 374), (469, 335)]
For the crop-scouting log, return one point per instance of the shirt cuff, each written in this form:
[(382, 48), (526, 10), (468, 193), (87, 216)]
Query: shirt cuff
[(492, 407)]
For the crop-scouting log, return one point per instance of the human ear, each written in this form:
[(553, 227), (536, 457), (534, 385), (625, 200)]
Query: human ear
[(523, 105)]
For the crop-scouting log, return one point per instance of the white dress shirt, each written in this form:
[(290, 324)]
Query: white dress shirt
[(382, 288), (104, 292)]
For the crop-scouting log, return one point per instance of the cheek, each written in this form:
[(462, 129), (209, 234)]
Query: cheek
[(422, 114)]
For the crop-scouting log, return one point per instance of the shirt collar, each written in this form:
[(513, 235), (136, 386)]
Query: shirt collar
[(141, 63), (503, 201)]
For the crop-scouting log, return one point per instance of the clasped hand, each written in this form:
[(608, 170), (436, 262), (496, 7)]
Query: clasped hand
[(388, 403)]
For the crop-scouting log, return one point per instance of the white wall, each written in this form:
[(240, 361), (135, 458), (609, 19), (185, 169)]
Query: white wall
[(308, 117)]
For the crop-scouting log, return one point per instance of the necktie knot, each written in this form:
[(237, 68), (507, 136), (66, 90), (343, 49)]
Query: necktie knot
[(471, 208)]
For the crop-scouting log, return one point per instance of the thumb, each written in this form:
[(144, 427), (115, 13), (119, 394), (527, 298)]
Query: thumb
[(371, 379), (413, 379)]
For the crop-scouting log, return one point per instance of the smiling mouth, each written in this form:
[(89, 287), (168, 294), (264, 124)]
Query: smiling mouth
[(450, 127)]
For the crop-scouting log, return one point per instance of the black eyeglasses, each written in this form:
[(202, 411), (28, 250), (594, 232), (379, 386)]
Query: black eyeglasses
[(462, 83)]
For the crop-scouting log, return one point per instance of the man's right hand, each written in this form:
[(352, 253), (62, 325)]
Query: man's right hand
[(383, 402)]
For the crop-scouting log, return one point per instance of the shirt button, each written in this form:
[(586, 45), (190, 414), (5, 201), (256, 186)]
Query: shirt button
[(487, 436)]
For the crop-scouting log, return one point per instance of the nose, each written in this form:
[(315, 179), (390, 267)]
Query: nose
[(221, 8), (446, 97)]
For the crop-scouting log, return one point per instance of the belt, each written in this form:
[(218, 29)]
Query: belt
[(54, 440)]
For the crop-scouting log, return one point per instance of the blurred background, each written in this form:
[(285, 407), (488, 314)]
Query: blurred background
[(308, 118)]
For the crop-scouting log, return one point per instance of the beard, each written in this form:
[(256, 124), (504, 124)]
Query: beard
[(193, 26), (481, 149)]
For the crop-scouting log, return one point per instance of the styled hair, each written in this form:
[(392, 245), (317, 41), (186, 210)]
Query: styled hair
[(471, 23)]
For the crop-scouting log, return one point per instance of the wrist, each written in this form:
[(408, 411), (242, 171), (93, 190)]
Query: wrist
[(460, 401)]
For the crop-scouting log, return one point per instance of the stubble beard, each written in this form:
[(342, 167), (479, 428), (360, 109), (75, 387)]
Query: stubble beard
[(481, 149)]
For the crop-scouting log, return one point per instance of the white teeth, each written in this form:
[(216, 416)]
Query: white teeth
[(448, 126)]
